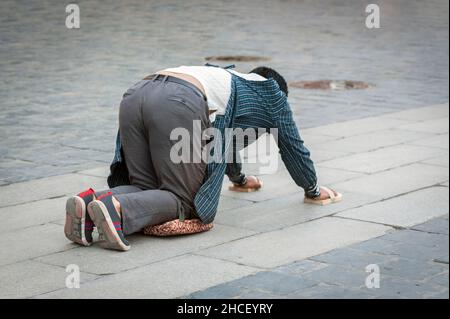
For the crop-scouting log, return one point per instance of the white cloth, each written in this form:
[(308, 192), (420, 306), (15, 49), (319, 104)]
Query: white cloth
[(216, 82)]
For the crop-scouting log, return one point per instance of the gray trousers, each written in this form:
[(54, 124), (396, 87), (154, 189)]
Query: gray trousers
[(160, 189)]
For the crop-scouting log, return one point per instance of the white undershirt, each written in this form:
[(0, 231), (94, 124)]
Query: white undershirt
[(216, 83)]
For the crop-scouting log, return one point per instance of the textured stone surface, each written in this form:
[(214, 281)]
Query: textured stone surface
[(280, 247), (405, 211), (167, 279)]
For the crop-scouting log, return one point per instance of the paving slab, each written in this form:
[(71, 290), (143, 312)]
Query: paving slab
[(437, 126), (32, 214), (145, 250), (437, 225), (102, 171), (384, 159), (286, 211), (48, 187), (396, 181), (422, 113), (281, 184), (33, 242), (405, 211), (29, 278), (357, 127), (171, 278), (440, 141), (372, 141), (294, 243), (439, 161)]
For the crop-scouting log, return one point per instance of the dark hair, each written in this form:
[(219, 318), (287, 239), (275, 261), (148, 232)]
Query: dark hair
[(269, 73)]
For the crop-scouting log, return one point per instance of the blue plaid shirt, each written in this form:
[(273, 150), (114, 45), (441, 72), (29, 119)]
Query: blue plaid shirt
[(252, 104)]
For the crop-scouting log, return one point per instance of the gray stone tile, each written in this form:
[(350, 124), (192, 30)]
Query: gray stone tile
[(166, 279), (27, 279), (357, 127), (227, 203), (437, 225), (281, 184), (405, 211), (338, 276), (441, 279), (144, 250), (49, 187), (32, 214), (33, 242), (285, 211), (276, 248), (102, 171), (418, 238), (410, 269), (323, 291), (372, 141), (400, 180), (352, 258), (408, 249), (301, 267), (439, 161), (422, 113), (399, 288), (438, 126), (384, 159), (274, 283), (439, 141)]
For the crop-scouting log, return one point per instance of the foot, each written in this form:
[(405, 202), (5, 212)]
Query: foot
[(252, 184), (79, 226), (327, 196), (108, 221)]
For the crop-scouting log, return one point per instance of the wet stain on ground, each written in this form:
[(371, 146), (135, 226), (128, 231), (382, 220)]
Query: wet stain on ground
[(237, 58), (331, 85)]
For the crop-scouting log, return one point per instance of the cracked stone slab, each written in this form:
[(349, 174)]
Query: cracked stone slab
[(144, 250), (29, 278), (170, 278), (405, 211), (396, 181), (48, 187), (275, 248), (385, 158)]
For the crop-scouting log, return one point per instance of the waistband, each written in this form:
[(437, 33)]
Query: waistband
[(169, 78)]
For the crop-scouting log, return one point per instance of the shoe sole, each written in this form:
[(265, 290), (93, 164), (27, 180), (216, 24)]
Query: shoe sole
[(108, 236), (74, 228)]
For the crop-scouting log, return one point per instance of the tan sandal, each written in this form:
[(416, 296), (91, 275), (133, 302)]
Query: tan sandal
[(333, 198), (243, 189)]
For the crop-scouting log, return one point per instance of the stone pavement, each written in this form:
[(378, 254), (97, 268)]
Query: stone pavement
[(54, 80), (392, 169)]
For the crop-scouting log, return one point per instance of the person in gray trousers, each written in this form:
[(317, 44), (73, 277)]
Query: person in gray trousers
[(160, 189)]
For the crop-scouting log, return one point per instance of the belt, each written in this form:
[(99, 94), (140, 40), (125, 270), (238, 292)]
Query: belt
[(162, 77)]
